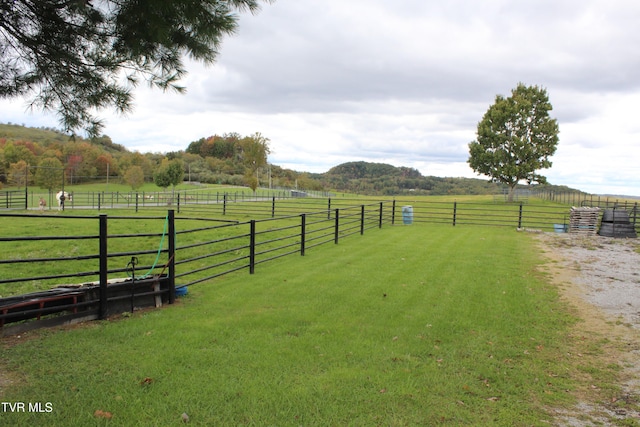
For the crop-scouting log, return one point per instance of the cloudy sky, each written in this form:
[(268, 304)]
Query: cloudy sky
[(405, 82)]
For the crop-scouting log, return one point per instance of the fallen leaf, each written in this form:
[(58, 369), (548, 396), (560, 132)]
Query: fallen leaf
[(146, 381), (99, 413)]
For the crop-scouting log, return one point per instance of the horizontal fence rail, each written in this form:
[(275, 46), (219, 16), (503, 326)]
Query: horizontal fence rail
[(130, 262), (29, 198), (13, 199), (33, 199), (76, 269), (77, 266), (544, 217), (243, 245), (573, 198)]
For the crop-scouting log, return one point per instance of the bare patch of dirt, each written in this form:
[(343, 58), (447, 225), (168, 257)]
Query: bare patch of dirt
[(4, 381), (599, 277)]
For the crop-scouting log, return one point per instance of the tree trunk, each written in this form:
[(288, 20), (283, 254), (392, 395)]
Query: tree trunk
[(512, 193)]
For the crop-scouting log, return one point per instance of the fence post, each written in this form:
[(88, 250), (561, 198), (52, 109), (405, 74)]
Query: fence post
[(98, 201), (252, 247), (136, 202), (362, 220), (455, 212), (171, 230), (337, 226), (273, 207), (380, 219), (303, 233), (393, 213), (329, 208), (178, 202), (224, 204), (102, 313), (520, 216)]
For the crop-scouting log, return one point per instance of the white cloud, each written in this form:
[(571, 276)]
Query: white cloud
[(406, 83)]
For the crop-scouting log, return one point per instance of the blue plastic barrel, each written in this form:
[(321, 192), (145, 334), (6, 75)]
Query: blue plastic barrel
[(181, 291), (407, 214), (560, 228)]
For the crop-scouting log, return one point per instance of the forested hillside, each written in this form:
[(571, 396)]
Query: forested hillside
[(45, 155), (41, 155), (380, 178)]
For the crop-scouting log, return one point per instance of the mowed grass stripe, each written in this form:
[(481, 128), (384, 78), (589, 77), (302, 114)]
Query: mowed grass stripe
[(408, 325)]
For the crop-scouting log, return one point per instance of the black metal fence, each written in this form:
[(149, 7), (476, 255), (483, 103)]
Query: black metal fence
[(138, 269), (574, 198), (13, 199), (94, 266), (71, 275), (155, 199), (540, 216)]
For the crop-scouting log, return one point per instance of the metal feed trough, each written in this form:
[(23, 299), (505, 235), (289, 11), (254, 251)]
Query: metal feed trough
[(616, 223), (76, 303)]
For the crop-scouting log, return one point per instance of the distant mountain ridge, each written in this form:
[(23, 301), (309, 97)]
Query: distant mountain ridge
[(361, 177), (381, 178), (361, 169)]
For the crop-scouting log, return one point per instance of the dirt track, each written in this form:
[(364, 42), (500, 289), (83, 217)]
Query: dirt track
[(600, 279)]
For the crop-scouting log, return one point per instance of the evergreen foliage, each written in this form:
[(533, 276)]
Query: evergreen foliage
[(79, 57)]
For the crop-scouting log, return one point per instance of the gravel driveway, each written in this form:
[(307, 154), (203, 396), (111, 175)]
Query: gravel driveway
[(600, 278)]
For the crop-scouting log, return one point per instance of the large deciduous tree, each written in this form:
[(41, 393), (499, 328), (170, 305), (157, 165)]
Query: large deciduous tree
[(76, 57), (134, 176), (515, 138), (49, 173), (19, 173), (253, 152), (170, 172)]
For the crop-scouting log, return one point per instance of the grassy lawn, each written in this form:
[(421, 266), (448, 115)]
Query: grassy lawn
[(404, 326)]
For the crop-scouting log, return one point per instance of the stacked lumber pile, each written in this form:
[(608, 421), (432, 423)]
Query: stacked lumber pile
[(584, 220)]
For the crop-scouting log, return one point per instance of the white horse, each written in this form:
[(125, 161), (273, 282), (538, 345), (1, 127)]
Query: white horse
[(62, 197)]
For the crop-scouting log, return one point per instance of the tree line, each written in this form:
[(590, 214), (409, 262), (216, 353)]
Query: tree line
[(49, 159)]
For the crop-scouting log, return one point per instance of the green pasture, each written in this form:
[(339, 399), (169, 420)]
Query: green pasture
[(83, 190), (151, 220), (404, 326), (85, 223)]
